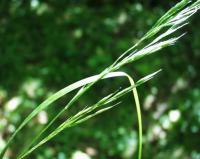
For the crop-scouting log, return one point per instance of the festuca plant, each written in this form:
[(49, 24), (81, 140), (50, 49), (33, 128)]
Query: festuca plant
[(161, 35)]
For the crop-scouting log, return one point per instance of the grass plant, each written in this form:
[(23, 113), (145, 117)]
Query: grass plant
[(161, 35)]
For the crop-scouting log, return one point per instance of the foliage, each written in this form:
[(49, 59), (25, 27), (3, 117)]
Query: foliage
[(51, 40)]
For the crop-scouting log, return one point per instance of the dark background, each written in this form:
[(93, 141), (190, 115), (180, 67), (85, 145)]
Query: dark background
[(47, 45)]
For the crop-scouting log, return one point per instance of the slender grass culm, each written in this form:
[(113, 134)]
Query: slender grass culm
[(159, 36)]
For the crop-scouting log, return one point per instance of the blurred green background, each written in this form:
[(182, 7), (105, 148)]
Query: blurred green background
[(47, 45)]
